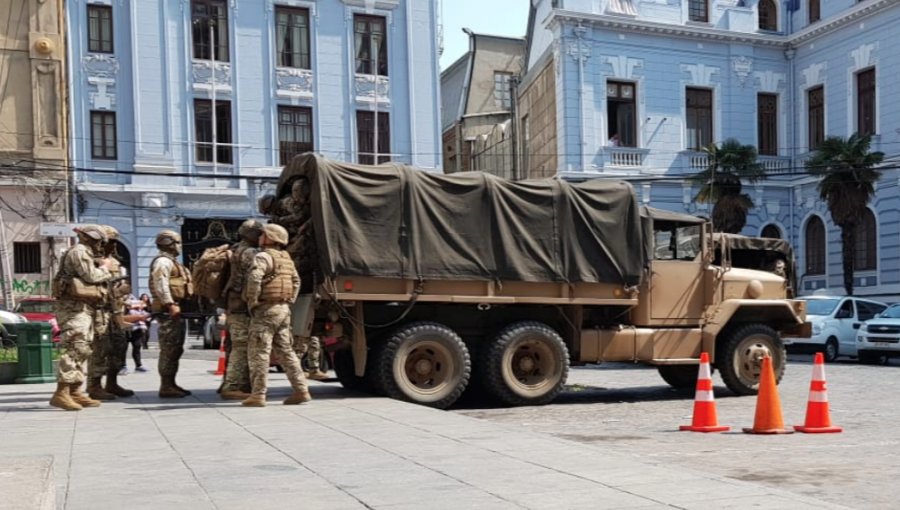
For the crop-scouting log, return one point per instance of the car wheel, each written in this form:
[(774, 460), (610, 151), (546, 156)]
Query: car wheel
[(831, 349)]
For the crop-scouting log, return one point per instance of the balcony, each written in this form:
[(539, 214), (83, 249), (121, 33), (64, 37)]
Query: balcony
[(291, 82), (624, 157), (775, 165), (693, 162)]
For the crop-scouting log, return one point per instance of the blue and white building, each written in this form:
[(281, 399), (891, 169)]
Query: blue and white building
[(183, 111), (666, 77)]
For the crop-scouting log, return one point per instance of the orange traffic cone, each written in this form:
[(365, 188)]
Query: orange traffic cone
[(705, 419), (768, 418), (220, 370), (818, 419)]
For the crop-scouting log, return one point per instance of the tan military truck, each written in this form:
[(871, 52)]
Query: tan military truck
[(435, 284)]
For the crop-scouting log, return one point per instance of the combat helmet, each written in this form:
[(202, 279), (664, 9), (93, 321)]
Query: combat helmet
[(167, 238), (276, 233), (250, 229), (111, 233), (93, 233)]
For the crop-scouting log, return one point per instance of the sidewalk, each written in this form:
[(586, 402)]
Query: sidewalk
[(341, 451)]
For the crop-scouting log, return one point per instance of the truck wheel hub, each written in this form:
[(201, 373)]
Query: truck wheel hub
[(423, 367), (526, 364)]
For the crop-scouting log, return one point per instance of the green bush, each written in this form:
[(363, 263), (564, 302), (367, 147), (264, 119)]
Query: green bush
[(9, 355)]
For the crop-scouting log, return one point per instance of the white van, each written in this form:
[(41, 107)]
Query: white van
[(835, 321)]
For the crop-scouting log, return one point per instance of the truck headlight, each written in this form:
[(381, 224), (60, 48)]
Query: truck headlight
[(817, 329), (864, 327)]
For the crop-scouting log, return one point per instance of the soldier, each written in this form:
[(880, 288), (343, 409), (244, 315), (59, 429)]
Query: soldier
[(77, 290), (270, 289), (111, 333), (312, 348), (237, 375), (170, 284)]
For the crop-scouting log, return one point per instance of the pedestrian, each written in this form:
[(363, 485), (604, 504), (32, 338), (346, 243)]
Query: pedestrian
[(614, 140), (76, 288), (170, 285), (139, 329), (237, 375), (272, 287)]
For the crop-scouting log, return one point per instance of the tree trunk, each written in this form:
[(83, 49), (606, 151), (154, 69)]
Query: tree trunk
[(848, 255)]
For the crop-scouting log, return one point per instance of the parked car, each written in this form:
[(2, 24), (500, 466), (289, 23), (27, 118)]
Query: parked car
[(39, 309), (879, 338), (835, 321), (8, 322)]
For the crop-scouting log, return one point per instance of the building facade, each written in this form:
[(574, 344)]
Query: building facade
[(184, 111), (639, 86), (33, 144)]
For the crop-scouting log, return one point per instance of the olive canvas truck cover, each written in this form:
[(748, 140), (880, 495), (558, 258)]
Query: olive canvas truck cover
[(396, 221)]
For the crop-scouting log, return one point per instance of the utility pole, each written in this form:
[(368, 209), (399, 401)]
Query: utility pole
[(212, 89), (5, 272), (374, 42)]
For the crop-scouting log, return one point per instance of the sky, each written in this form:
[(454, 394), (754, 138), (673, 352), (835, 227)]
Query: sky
[(495, 17)]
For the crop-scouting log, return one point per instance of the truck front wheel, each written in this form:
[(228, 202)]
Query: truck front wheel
[(526, 364), (739, 357), (425, 363)]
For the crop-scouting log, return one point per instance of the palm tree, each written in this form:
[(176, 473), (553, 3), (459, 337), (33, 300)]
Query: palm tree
[(848, 176), (721, 183)]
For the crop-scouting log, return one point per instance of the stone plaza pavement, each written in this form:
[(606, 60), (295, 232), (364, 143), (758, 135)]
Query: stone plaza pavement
[(341, 451)]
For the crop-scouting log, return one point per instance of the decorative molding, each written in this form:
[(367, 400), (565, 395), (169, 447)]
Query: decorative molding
[(371, 5), (202, 75), (155, 200), (100, 65), (101, 73), (863, 57), (370, 88), (814, 74), (742, 67), (769, 81), (622, 66), (701, 74), (291, 82), (204, 205)]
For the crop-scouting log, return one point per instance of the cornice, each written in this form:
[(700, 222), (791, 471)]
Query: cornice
[(856, 13)]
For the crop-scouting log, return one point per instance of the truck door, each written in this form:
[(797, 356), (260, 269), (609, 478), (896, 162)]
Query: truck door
[(677, 289)]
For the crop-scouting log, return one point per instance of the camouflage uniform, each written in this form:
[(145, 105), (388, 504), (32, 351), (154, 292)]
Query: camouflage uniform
[(311, 347), (75, 317), (170, 282), (272, 286), (237, 375)]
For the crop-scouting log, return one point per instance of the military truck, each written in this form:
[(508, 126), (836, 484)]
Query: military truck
[(439, 284)]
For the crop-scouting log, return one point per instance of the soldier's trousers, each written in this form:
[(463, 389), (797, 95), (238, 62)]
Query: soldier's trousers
[(312, 348), (110, 344), (171, 346), (270, 328), (76, 324), (237, 375)]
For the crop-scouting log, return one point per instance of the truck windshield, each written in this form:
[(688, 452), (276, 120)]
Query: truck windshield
[(679, 243), (820, 306), (892, 312)]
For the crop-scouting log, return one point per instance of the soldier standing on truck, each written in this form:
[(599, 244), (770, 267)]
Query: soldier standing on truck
[(170, 284), (111, 339), (271, 288), (77, 290), (237, 375)]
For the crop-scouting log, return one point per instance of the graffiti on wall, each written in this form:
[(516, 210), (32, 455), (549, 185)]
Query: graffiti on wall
[(29, 287)]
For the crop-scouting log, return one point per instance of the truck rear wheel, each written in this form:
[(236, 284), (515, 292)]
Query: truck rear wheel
[(526, 364), (425, 363), (739, 357), (681, 377)]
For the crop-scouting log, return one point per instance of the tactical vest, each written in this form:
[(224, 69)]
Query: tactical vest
[(179, 280), (278, 285), (67, 285), (237, 280)]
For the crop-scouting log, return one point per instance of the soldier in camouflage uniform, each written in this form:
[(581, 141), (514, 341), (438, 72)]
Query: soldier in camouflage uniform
[(111, 331), (272, 286), (75, 305), (170, 284), (237, 375), (311, 347)]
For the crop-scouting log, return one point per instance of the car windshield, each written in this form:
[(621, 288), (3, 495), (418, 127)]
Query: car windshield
[(892, 312), (35, 307), (821, 306)]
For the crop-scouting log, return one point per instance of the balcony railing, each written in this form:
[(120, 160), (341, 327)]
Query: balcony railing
[(775, 164), (698, 161), (624, 157)]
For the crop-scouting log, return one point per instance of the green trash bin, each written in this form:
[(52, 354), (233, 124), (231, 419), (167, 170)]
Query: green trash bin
[(35, 340)]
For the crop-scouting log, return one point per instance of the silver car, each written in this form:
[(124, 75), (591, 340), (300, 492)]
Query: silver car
[(879, 338)]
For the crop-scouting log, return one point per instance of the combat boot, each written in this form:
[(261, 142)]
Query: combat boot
[(167, 388), (96, 391), (80, 398), (112, 385), (179, 388), (299, 397), (234, 395), (63, 400), (316, 375), (254, 401)]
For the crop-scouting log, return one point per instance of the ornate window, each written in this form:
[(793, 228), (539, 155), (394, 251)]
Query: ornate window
[(699, 117), (865, 102), (866, 249), (698, 10), (816, 101), (621, 113), (209, 29), (814, 11), (369, 135), (100, 29), (292, 37), (208, 148), (768, 15), (815, 246), (294, 131), (767, 123), (371, 45), (103, 135)]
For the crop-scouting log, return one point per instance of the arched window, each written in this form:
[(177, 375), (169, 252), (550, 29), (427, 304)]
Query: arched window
[(768, 15), (866, 243), (815, 246), (771, 231)]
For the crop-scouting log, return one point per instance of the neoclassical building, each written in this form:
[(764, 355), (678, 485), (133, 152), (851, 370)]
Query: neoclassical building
[(632, 88), (183, 111)]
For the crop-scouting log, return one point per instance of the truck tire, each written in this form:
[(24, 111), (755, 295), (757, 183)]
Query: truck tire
[(739, 357), (425, 363), (680, 377), (344, 369), (526, 364)]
